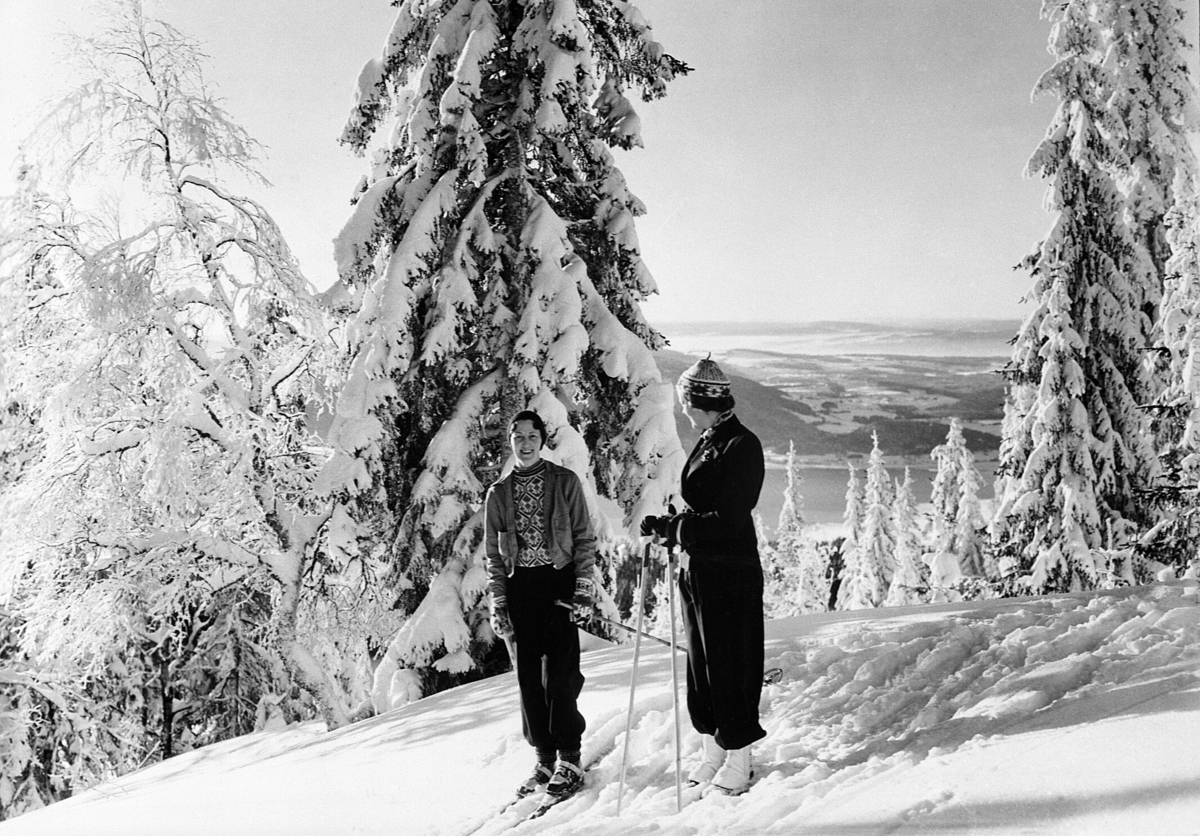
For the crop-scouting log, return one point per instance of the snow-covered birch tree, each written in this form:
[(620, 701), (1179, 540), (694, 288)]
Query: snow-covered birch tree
[(162, 549), (1105, 292), (493, 265)]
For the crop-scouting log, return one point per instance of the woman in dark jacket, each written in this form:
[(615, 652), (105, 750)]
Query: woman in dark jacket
[(720, 579)]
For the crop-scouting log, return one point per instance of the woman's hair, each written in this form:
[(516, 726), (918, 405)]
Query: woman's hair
[(723, 404), (533, 418)]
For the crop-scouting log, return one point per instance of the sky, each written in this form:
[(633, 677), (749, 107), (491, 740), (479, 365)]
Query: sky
[(858, 159), (1066, 715)]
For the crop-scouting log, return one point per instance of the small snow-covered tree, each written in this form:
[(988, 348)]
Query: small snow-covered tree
[(492, 264), (948, 459), (969, 525), (871, 565), (791, 514), (780, 572), (907, 582), (852, 517), (812, 587), (162, 549), (1095, 297), (806, 588), (957, 519)]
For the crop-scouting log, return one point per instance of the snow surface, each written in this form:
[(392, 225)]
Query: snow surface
[(1067, 714)]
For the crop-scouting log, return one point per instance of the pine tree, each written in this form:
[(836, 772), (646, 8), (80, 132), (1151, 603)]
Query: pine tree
[(872, 565), (493, 265), (1105, 296), (160, 550)]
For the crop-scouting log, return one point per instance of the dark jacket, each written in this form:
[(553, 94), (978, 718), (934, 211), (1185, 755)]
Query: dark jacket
[(567, 527), (721, 483)]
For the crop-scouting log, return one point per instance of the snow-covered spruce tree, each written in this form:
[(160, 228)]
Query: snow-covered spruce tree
[(1156, 98), (1176, 540), (871, 565), (492, 265), (907, 584), (1106, 296), (1054, 504), (161, 554)]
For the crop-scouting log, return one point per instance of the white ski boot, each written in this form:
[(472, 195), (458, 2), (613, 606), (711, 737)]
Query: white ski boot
[(712, 756), (734, 775)]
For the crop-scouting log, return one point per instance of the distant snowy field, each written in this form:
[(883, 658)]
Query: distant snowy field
[(1069, 715)]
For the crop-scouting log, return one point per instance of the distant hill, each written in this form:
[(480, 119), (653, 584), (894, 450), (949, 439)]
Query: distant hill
[(778, 419)]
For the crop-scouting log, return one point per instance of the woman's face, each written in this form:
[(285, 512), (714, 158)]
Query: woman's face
[(700, 419), (526, 443)]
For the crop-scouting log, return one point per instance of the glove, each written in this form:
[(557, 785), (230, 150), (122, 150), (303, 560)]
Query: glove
[(656, 527), (501, 623), (661, 528), (585, 597)]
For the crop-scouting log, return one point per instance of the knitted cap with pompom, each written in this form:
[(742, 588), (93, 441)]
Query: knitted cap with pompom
[(704, 379)]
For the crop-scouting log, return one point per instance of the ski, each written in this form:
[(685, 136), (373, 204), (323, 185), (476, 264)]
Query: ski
[(549, 801), (713, 789)]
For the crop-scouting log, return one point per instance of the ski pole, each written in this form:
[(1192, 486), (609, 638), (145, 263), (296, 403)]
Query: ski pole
[(637, 650), (626, 628), (674, 674)]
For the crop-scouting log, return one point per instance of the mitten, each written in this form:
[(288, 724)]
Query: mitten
[(585, 597), (501, 623)]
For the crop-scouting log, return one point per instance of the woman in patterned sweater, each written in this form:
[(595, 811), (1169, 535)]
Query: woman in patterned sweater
[(540, 552)]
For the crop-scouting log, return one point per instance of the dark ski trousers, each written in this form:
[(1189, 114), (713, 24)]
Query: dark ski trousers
[(723, 617), (547, 647)]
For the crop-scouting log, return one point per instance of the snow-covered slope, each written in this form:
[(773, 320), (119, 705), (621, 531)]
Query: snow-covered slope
[(1073, 714)]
